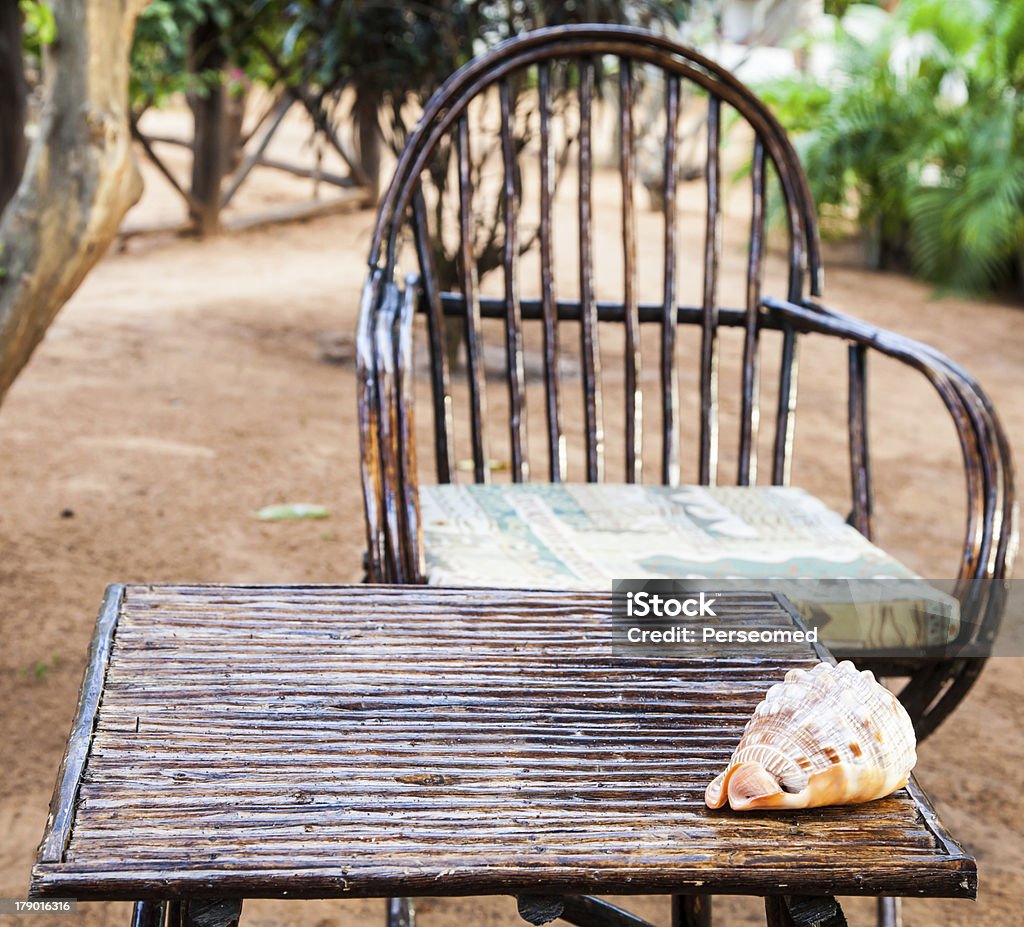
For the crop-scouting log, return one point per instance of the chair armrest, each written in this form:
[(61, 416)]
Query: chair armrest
[(991, 535), (990, 543)]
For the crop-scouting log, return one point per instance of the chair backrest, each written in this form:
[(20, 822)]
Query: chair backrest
[(649, 84)]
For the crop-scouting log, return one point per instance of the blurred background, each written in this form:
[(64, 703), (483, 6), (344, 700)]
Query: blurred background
[(191, 185)]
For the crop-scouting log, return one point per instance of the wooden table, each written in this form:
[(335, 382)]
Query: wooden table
[(370, 741)]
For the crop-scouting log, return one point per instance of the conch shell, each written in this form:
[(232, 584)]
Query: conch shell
[(828, 736)]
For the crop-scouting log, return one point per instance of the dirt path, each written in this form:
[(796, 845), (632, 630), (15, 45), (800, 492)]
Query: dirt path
[(183, 388)]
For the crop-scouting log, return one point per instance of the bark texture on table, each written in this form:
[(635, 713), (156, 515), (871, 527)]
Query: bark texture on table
[(387, 741)]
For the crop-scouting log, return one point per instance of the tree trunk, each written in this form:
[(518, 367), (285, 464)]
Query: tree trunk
[(234, 120), (367, 119), (210, 152), (80, 176), (12, 102)]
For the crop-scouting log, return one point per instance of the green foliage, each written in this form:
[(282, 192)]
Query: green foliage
[(398, 54), (38, 28), (165, 44), (400, 51), (393, 48), (392, 54), (839, 7), (919, 132)]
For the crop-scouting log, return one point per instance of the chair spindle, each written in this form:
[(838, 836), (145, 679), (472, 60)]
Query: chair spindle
[(513, 313), (634, 395), (556, 439), (860, 460), (443, 413), (588, 306), (709, 323), (749, 412), (669, 385), (477, 395), (785, 419)]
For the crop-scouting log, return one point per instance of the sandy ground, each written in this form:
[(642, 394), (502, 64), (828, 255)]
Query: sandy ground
[(183, 388)]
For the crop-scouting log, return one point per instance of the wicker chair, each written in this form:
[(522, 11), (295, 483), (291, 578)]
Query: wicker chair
[(550, 66)]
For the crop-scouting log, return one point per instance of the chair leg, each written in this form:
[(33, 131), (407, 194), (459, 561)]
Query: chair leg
[(796, 911), (578, 910), (401, 912), (890, 912), (691, 911)]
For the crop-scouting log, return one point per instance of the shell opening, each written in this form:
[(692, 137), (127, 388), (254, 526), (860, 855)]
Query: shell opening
[(749, 784), (743, 786)]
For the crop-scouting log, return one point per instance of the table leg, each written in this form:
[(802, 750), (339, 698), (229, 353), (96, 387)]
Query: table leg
[(775, 912), (148, 914), (210, 912), (890, 912), (401, 912), (691, 911), (798, 911)]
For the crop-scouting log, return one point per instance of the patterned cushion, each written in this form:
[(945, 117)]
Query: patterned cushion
[(582, 536)]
